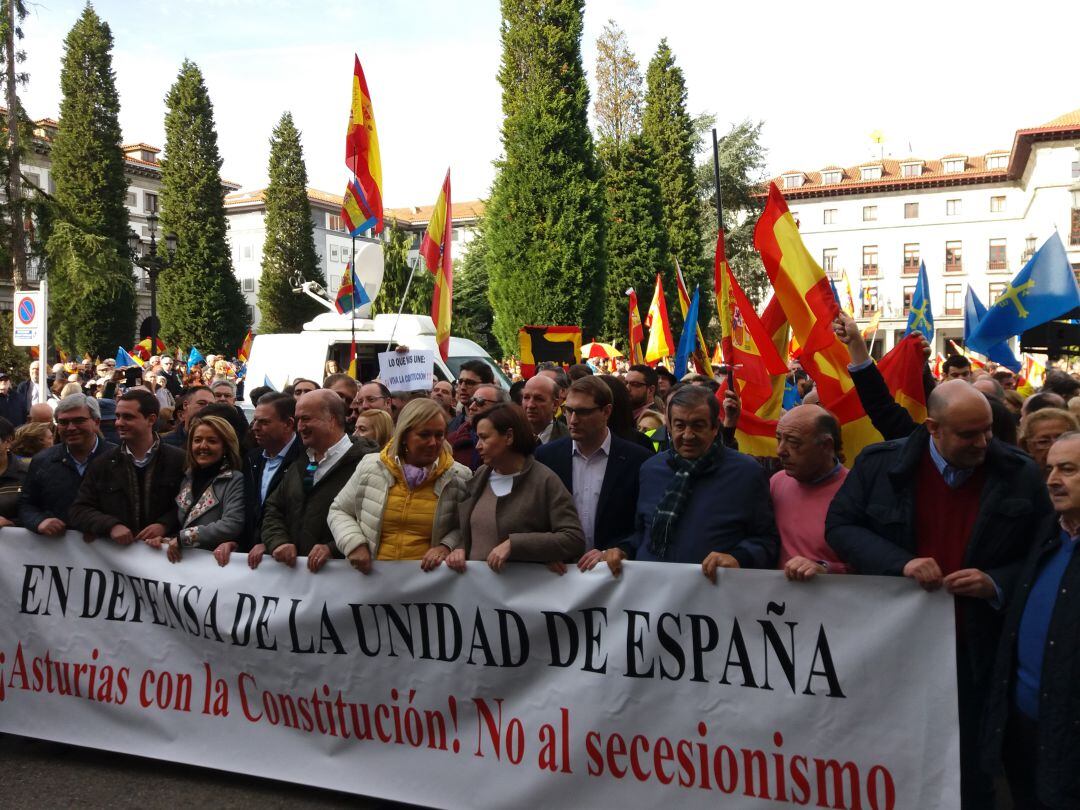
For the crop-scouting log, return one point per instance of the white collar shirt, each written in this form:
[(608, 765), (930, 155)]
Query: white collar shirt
[(588, 479)]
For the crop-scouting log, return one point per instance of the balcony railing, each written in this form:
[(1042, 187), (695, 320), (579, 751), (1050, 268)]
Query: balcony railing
[(997, 265), (954, 267), (869, 270), (911, 267)]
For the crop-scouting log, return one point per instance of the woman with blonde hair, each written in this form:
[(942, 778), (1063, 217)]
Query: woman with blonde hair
[(69, 389), (400, 502), (31, 438), (210, 503), (376, 425)]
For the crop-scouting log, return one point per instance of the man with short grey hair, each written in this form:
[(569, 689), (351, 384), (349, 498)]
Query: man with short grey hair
[(463, 440), (55, 473), (224, 391)]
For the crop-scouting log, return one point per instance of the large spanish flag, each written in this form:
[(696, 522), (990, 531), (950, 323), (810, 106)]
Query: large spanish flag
[(362, 148), (637, 333), (660, 343), (435, 248), (804, 293), (761, 390), (902, 369)]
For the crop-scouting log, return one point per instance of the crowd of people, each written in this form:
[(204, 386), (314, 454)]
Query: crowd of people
[(575, 467)]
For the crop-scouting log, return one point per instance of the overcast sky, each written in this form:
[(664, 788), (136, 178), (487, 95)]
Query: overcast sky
[(941, 77)]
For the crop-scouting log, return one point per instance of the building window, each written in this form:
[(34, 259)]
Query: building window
[(1074, 235), (132, 200), (869, 261), (830, 216), (996, 290), (953, 165), (250, 313), (954, 299), (911, 258), (333, 253), (334, 222), (952, 208), (870, 173), (997, 255), (954, 259), (793, 180), (909, 293), (831, 177), (911, 170), (1029, 250), (247, 251), (911, 210), (150, 202), (869, 300), (247, 284), (828, 260), (997, 205), (997, 162), (869, 213)]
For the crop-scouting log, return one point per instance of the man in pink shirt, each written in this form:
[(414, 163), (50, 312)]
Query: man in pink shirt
[(808, 446)]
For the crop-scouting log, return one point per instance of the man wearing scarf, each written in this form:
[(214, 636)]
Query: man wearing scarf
[(700, 502)]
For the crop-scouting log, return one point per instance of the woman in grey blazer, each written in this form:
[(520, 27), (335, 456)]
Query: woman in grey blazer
[(210, 504)]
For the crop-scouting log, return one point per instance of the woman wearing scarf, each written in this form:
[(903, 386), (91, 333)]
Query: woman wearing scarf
[(211, 498), (516, 509), (700, 502), (399, 503)]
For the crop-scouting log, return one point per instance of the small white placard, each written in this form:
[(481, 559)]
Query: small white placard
[(407, 371)]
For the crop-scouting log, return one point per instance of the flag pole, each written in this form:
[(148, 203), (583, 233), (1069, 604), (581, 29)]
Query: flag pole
[(716, 181), (404, 296), (352, 313)]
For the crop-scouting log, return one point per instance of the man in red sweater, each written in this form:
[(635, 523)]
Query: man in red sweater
[(948, 506)]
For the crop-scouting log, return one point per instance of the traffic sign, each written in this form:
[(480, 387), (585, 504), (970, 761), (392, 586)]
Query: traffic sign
[(28, 319)]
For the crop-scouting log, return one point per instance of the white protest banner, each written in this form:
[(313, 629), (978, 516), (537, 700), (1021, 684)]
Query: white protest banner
[(521, 689), (407, 371)]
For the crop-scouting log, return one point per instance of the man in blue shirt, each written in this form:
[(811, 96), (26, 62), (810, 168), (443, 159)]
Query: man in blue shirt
[(274, 429), (1033, 715)]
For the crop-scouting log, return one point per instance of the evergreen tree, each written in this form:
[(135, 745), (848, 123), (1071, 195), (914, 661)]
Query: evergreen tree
[(396, 269), (289, 250), (636, 239), (200, 299), (742, 171), (473, 317), (669, 130), (546, 217), (92, 287)]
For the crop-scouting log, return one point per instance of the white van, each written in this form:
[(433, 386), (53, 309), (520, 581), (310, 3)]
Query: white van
[(278, 360)]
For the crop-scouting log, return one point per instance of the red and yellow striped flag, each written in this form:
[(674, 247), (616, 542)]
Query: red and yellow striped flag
[(636, 331), (362, 149), (660, 343), (435, 248), (804, 293)]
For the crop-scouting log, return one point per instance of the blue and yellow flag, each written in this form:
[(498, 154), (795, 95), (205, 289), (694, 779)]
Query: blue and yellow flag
[(920, 316), (1044, 289), (974, 312)]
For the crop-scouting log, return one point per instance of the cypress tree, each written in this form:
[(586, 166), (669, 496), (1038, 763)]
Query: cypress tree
[(200, 299), (636, 240), (93, 288), (289, 249), (546, 217), (669, 130)]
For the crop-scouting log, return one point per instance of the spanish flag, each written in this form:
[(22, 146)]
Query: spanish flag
[(244, 352), (637, 333), (435, 248), (660, 343), (804, 293), (761, 390), (362, 148), (902, 369), (701, 360)]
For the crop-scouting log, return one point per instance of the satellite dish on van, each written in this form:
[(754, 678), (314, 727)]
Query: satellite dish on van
[(369, 271)]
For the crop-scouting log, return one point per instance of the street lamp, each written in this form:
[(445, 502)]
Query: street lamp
[(153, 264)]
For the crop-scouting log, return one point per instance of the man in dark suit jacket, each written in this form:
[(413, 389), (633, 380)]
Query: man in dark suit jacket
[(599, 468), (274, 429)]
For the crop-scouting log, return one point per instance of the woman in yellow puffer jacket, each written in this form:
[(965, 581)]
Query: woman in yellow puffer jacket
[(399, 504)]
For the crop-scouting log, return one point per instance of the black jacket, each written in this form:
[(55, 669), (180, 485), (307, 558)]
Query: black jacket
[(617, 504), (51, 485), (871, 525), (13, 407), (1057, 778), (172, 382), (253, 469), (109, 493)]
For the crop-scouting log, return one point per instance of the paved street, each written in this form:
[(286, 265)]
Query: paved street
[(71, 776)]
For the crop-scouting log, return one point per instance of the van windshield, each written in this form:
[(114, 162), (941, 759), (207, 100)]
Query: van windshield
[(454, 362)]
